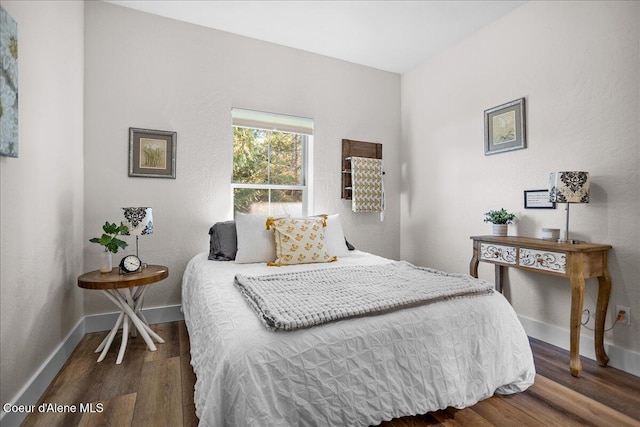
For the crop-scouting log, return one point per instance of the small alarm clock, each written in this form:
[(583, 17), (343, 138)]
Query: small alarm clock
[(130, 264)]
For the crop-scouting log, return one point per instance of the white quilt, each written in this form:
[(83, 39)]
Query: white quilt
[(353, 372)]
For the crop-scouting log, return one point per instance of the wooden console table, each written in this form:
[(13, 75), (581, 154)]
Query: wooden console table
[(577, 262)]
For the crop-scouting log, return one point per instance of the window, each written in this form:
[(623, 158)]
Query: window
[(271, 163)]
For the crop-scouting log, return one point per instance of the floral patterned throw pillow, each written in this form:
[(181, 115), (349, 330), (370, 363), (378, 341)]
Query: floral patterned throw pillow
[(299, 240)]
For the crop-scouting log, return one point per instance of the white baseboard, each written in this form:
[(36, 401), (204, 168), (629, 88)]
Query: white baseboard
[(620, 358), (105, 321), (38, 383)]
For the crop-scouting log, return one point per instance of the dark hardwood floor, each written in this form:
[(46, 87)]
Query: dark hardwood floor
[(156, 389)]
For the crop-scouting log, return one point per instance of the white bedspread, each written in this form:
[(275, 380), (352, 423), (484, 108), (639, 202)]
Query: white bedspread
[(354, 372)]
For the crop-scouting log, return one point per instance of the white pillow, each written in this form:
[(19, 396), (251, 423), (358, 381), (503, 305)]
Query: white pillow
[(334, 237), (255, 242)]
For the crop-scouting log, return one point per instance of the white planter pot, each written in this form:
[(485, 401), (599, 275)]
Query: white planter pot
[(500, 229)]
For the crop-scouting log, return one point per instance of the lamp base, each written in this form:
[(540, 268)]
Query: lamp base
[(570, 241)]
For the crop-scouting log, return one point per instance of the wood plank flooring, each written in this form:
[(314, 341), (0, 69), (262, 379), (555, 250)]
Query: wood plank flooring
[(156, 389)]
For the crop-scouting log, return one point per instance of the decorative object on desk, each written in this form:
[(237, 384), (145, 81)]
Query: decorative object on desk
[(550, 234), (500, 220), (111, 243), (130, 264), (152, 153), (538, 199), (106, 261), (568, 187), (504, 128), (139, 221), (8, 85)]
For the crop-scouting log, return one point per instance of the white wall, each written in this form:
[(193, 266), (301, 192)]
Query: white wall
[(151, 72), (41, 192), (577, 64)]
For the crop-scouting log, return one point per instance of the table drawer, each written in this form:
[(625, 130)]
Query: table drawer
[(543, 260), (498, 253)]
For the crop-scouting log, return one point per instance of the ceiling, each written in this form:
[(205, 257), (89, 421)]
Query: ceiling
[(388, 35)]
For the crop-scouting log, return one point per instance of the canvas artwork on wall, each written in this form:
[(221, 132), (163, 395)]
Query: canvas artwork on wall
[(8, 85)]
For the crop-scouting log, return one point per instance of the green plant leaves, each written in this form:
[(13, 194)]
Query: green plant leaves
[(499, 217), (109, 239)]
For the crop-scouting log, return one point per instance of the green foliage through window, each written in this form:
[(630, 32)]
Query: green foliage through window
[(269, 159)]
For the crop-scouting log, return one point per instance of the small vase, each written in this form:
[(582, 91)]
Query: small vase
[(106, 262), (499, 229)]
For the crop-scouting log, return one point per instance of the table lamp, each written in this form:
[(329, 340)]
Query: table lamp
[(139, 221), (568, 187)]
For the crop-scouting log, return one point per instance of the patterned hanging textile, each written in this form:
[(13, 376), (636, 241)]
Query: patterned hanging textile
[(368, 186)]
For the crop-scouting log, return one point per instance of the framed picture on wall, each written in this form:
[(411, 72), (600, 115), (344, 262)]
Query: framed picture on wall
[(504, 128), (152, 153), (537, 199)]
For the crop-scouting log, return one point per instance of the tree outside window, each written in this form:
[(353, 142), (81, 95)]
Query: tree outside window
[(268, 171)]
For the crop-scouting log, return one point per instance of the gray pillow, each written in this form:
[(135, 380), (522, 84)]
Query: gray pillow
[(349, 245), (223, 241)]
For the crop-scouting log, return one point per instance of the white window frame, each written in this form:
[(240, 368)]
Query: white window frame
[(280, 123)]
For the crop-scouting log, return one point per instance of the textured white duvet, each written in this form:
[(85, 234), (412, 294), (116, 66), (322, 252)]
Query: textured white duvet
[(354, 372)]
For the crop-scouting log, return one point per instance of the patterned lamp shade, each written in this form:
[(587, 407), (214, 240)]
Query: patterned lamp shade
[(569, 187), (139, 221)]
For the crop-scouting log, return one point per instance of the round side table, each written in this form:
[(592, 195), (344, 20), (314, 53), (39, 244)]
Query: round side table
[(127, 292)]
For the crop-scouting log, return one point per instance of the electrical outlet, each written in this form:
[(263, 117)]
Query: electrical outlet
[(625, 318)]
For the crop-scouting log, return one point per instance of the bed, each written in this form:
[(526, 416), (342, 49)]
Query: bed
[(353, 372)]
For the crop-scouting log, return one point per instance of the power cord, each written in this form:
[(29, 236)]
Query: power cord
[(584, 323)]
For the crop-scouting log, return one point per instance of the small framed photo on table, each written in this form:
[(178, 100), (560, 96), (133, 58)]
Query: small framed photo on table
[(504, 128), (537, 199), (152, 153)]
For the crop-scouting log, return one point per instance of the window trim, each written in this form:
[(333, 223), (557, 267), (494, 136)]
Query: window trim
[(241, 117)]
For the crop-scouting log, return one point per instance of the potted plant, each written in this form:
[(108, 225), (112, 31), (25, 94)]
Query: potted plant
[(111, 243), (500, 219)]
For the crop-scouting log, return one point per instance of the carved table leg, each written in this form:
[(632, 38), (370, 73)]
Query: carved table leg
[(473, 264), (577, 301), (499, 270), (604, 290)]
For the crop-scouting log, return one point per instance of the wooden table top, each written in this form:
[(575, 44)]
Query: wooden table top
[(115, 280)]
